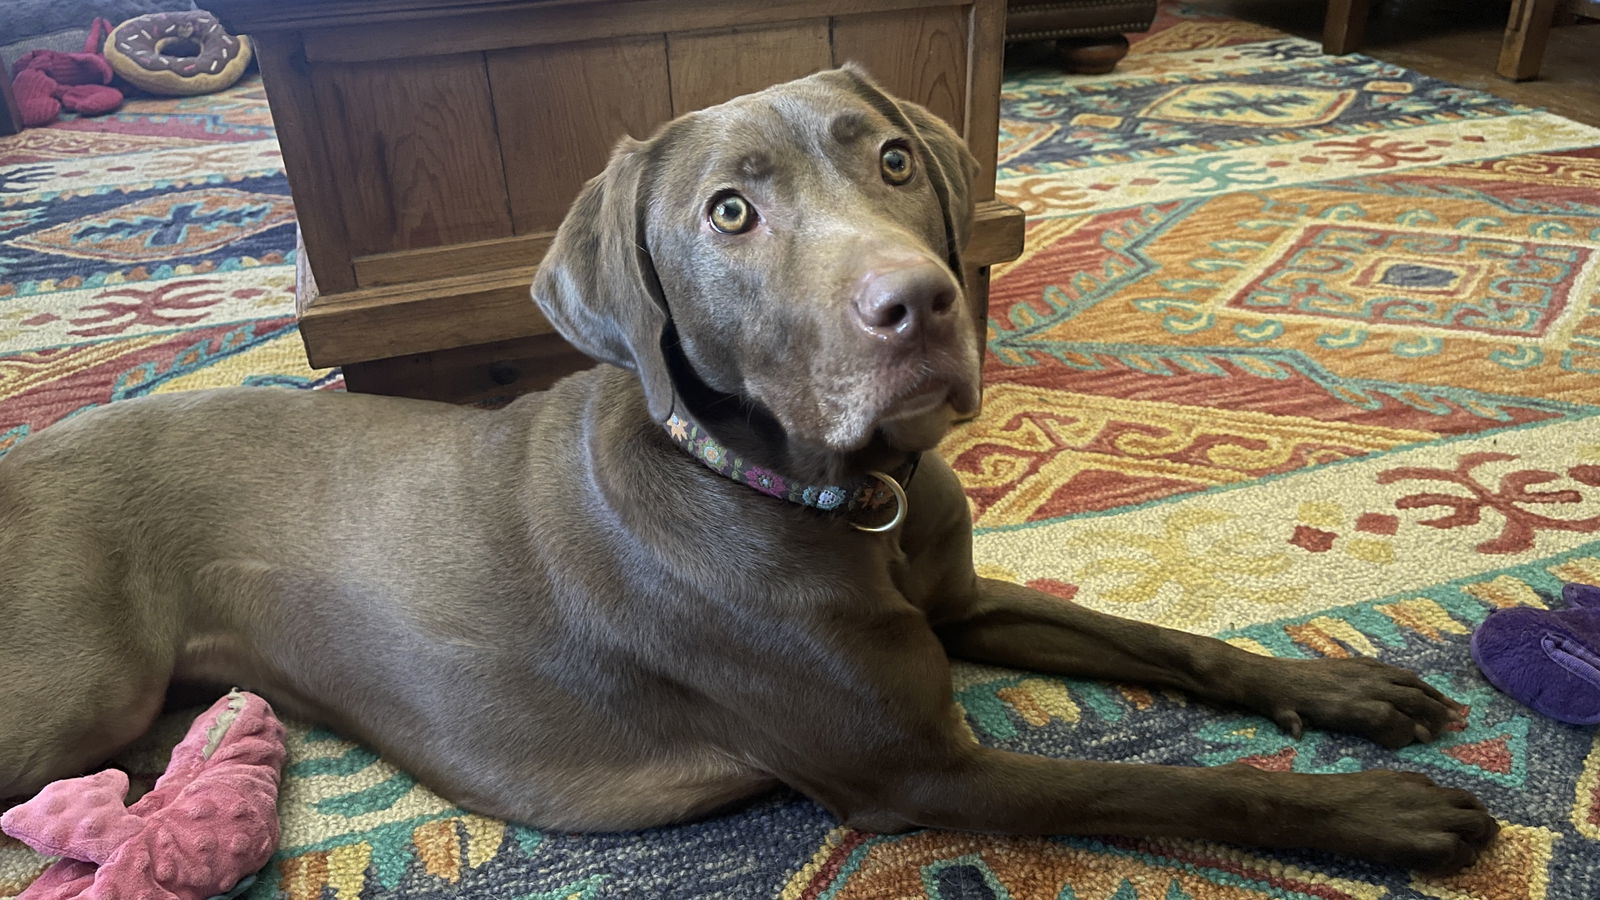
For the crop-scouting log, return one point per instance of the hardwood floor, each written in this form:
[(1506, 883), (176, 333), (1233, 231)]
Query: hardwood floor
[(1456, 41)]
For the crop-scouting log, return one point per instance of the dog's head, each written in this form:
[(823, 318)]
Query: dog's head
[(797, 248)]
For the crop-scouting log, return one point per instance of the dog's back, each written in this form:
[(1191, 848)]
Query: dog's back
[(128, 532), (412, 574)]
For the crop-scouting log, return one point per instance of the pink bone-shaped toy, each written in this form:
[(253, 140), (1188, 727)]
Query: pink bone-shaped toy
[(210, 820)]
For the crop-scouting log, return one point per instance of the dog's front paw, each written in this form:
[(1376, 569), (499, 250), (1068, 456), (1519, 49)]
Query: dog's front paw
[(1405, 819), (1361, 696)]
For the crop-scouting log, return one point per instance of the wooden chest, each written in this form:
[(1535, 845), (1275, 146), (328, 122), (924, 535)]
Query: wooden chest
[(433, 146)]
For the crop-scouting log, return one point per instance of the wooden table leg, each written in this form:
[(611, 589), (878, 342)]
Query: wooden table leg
[(1522, 51), (1345, 26), (10, 116)]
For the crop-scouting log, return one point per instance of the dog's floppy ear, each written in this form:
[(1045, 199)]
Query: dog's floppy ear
[(597, 284), (951, 167), (958, 169)]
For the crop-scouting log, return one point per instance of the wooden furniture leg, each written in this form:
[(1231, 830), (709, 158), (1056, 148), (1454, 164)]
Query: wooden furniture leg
[(10, 116), (1091, 56), (1522, 51), (1345, 26)]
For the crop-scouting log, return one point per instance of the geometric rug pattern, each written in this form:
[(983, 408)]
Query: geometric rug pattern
[(1302, 351), (145, 251)]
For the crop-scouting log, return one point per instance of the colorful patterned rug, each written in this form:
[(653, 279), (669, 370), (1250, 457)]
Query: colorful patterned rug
[(1302, 352)]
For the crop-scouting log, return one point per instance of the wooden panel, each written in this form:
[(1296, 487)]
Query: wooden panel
[(560, 110), (417, 154), (253, 16), (709, 67), (916, 54), (306, 160), (404, 266), (987, 35), (527, 24), (250, 16), (416, 317)]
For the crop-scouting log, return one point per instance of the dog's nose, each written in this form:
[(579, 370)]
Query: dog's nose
[(900, 304)]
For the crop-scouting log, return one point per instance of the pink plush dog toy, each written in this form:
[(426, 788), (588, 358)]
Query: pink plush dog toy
[(211, 819), (47, 80)]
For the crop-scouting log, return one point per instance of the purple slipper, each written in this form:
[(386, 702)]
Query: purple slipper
[(1547, 659), (1581, 595)]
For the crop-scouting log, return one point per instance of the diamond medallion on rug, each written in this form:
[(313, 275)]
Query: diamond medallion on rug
[(185, 223), (1412, 276), (1250, 104)]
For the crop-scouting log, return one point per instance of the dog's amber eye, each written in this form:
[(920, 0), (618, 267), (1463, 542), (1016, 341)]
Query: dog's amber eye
[(732, 214), (895, 164)]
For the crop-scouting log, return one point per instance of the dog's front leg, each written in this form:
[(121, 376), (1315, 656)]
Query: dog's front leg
[(1391, 817), (1011, 625)]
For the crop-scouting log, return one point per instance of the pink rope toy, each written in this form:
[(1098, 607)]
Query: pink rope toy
[(210, 821)]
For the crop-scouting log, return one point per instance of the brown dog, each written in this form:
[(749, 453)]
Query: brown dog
[(560, 614)]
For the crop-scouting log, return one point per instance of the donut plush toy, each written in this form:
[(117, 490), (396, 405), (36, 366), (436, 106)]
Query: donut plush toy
[(177, 53)]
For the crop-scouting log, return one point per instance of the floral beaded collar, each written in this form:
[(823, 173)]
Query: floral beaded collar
[(869, 493)]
